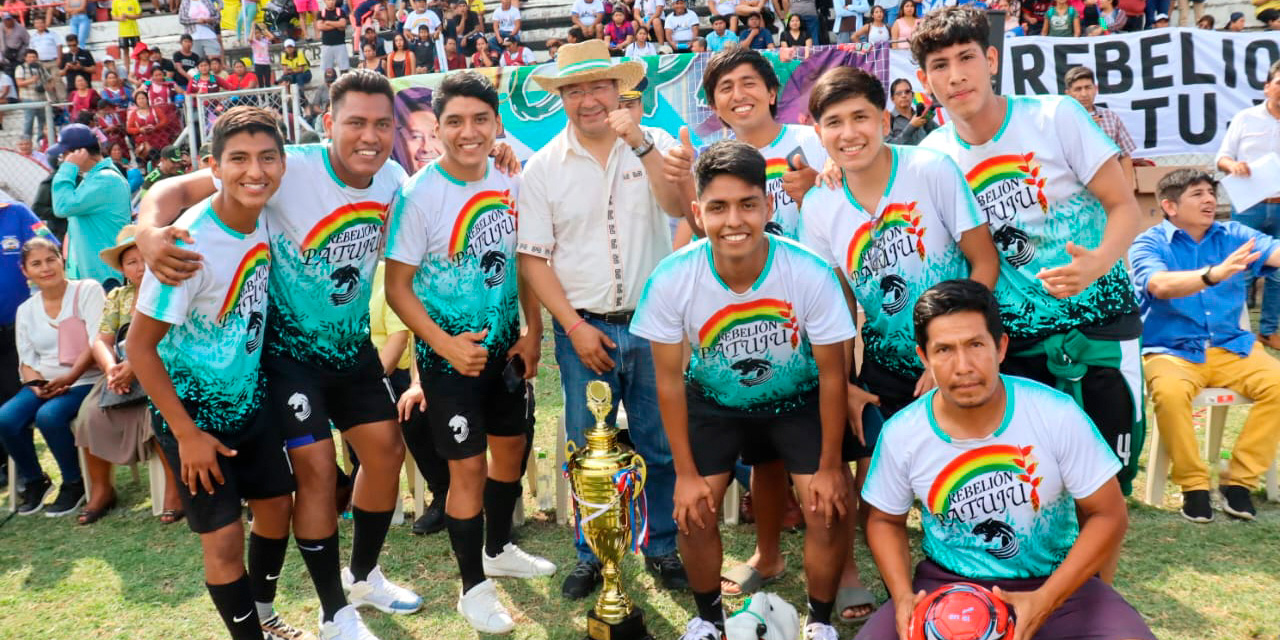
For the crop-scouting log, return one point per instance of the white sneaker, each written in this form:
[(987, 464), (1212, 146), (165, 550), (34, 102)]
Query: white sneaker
[(346, 625), (482, 609), (819, 631), (699, 629), (378, 592), (513, 562)]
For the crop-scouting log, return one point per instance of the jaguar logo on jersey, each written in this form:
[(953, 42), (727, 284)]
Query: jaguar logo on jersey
[(347, 282), (248, 288), (1015, 245), (347, 235), (256, 329), (494, 265), (1005, 185), (754, 371), (482, 224), (993, 530), (894, 294), (985, 482), (879, 244), (749, 328)]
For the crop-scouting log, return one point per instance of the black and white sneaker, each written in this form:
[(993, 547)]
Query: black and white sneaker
[(1196, 507), (1237, 502), (70, 497), (31, 497)]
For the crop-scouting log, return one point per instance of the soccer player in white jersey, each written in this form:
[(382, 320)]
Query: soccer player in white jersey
[(196, 348), (1016, 487), (452, 279), (742, 88), (767, 326), (325, 224), (1062, 215)]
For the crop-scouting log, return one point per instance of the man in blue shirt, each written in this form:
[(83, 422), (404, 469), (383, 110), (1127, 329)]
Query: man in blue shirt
[(96, 208), (1191, 274), (17, 225)]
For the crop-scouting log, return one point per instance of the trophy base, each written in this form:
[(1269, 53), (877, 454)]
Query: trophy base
[(631, 627)]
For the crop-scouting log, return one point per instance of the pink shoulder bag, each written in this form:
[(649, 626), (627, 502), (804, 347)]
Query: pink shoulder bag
[(73, 334)]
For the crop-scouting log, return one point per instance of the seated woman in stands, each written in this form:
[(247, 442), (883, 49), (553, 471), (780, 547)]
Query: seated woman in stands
[(148, 127), (114, 426), (57, 371)]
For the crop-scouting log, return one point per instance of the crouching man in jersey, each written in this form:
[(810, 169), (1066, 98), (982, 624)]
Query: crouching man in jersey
[(1001, 466), (767, 324)]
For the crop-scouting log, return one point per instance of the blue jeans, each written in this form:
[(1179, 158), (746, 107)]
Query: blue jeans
[(891, 14), (80, 26), (1265, 217), (29, 118), (1154, 7), (53, 418), (635, 385), (814, 27)]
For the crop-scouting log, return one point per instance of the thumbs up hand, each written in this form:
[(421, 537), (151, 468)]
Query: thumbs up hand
[(677, 163), (799, 178)]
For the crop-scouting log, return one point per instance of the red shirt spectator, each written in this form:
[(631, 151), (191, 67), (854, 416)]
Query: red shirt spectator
[(240, 78)]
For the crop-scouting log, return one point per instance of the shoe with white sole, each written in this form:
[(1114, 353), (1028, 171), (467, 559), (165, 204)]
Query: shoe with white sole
[(278, 629), (378, 592), (346, 625), (819, 631), (514, 562), (483, 610)]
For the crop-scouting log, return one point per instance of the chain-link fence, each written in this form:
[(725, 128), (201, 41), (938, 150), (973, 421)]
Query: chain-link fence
[(203, 110), (25, 128), (32, 120)]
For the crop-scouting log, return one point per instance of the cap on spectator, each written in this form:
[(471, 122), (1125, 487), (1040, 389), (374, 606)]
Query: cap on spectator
[(108, 58), (155, 47), (172, 152), (139, 49), (587, 62), (1161, 16), (1236, 15), (636, 92), (124, 242), (290, 43), (73, 136)]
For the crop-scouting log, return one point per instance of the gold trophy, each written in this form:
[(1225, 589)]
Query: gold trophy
[(606, 482)]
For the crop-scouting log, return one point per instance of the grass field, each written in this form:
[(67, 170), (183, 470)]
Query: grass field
[(130, 578)]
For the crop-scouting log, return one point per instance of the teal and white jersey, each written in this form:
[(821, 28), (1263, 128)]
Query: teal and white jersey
[(998, 507), (751, 350), (219, 320), (894, 254), (326, 239), (462, 237), (792, 139), (1030, 181)]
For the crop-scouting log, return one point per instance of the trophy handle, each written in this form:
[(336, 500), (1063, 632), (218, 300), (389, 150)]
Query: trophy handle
[(642, 469)]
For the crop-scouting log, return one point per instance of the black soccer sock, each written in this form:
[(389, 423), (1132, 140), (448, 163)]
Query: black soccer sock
[(321, 558), (234, 602), (467, 538), (369, 532), (266, 557), (820, 611), (499, 504), (709, 607)]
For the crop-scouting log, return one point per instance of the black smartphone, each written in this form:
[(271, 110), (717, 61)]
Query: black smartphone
[(513, 374), (35, 383), (919, 109)]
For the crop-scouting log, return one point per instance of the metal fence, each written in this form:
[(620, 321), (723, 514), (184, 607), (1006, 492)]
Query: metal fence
[(203, 110)]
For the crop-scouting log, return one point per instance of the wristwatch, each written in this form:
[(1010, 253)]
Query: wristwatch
[(1204, 276), (645, 147)]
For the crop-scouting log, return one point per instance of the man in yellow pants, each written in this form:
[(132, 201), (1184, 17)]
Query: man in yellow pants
[(1191, 274)]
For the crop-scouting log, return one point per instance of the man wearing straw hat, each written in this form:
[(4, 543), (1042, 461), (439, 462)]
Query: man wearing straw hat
[(591, 231)]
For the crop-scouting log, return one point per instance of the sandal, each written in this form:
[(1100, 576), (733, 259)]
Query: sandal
[(90, 516), (748, 579), (852, 598), (170, 516)]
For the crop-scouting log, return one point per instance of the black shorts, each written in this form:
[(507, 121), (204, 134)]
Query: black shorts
[(307, 400), (719, 435), (260, 469), (463, 411), (127, 43)]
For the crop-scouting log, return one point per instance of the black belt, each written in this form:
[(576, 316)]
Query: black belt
[(614, 317)]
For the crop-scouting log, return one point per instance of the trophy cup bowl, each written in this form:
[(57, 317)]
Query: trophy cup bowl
[(605, 480)]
